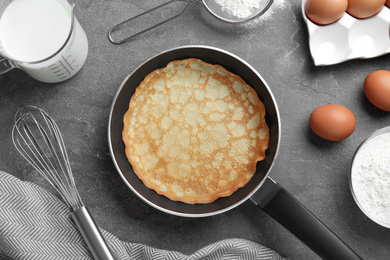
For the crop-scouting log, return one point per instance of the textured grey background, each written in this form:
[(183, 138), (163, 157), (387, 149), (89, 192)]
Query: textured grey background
[(315, 171)]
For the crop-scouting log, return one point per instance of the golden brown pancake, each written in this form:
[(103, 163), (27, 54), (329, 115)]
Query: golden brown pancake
[(194, 132)]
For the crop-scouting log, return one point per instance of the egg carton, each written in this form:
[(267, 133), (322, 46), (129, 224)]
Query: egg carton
[(349, 38)]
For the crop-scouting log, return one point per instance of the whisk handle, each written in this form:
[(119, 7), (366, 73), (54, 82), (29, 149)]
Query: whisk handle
[(91, 234)]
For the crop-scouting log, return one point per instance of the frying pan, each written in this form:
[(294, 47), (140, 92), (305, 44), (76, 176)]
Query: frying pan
[(261, 189)]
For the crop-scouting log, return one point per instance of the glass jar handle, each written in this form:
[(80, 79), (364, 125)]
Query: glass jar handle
[(6, 65)]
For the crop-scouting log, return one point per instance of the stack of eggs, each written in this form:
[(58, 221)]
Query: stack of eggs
[(335, 122), (341, 30), (325, 12)]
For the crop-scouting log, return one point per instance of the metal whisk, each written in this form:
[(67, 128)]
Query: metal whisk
[(38, 139)]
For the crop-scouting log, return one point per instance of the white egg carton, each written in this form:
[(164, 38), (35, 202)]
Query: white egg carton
[(349, 38)]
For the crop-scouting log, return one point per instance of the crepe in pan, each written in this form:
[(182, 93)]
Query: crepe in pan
[(194, 132)]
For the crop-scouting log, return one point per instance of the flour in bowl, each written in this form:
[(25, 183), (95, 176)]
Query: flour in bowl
[(239, 8), (371, 178)]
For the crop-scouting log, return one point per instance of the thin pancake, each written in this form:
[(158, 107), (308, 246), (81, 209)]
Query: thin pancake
[(194, 132)]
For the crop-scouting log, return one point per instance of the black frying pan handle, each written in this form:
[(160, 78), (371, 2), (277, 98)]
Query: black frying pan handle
[(289, 212)]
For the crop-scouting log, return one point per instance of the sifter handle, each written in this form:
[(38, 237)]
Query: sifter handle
[(148, 20), (91, 234)]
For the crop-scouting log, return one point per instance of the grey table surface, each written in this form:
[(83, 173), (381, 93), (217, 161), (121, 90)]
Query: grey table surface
[(313, 170)]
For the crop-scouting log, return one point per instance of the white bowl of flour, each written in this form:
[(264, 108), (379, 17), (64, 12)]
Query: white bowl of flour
[(370, 177)]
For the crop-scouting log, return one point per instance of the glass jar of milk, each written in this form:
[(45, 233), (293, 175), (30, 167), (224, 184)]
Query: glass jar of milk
[(43, 38)]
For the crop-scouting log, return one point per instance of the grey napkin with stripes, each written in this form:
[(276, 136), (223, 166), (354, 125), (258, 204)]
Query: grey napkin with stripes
[(35, 224)]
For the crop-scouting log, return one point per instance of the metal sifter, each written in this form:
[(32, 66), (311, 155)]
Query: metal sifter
[(166, 12)]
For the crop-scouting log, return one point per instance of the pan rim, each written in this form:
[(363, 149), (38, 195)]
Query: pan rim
[(183, 214)]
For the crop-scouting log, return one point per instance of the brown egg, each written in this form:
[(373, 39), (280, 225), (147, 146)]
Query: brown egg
[(332, 122), (377, 89), (325, 11), (364, 8), (388, 3)]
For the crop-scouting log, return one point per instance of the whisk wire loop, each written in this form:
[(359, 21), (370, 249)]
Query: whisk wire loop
[(38, 139)]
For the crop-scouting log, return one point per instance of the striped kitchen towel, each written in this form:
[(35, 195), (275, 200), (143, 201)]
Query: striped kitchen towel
[(35, 224)]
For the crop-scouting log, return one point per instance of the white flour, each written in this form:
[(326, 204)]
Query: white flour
[(272, 12), (239, 8), (276, 6), (371, 178)]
